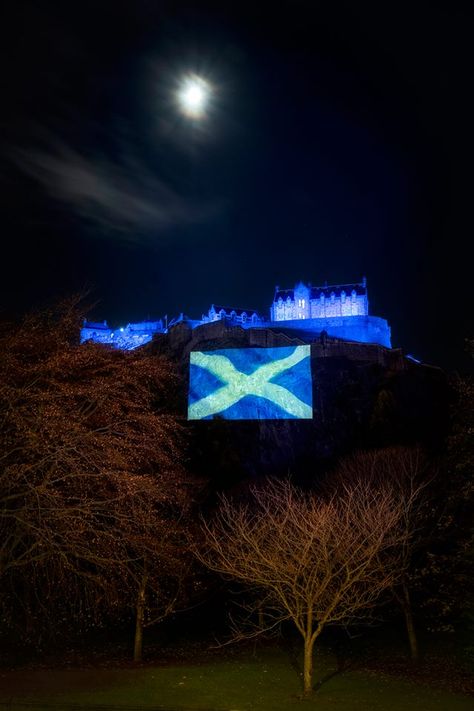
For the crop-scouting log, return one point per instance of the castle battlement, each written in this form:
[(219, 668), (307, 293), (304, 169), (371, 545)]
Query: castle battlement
[(340, 311)]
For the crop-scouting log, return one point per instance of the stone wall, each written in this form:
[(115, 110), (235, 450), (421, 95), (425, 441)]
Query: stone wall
[(183, 338), (363, 329), (125, 338)]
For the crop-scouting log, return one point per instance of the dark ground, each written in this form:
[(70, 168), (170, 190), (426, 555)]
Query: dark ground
[(447, 660)]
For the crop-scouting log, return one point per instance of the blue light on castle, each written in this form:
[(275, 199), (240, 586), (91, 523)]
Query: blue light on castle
[(340, 311), (251, 384)]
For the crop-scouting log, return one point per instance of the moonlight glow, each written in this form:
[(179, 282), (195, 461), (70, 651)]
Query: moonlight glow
[(193, 96)]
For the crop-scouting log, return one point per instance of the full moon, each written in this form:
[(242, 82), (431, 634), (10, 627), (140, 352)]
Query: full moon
[(193, 96)]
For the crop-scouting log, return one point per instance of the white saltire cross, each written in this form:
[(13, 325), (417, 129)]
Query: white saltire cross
[(237, 385)]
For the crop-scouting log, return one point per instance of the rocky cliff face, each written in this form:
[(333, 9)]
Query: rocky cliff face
[(364, 395)]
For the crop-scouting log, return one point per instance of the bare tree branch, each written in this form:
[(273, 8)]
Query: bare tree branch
[(314, 560)]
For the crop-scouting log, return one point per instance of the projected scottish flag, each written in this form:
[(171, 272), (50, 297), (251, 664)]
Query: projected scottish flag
[(251, 384)]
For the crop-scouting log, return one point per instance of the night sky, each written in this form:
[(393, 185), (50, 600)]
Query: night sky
[(337, 145)]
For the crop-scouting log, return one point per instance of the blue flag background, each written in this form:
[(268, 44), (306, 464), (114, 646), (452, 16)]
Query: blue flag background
[(251, 384)]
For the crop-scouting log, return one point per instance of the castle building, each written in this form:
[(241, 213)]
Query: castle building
[(126, 337), (339, 311), (315, 302)]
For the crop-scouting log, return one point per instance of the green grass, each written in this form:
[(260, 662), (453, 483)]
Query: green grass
[(266, 682)]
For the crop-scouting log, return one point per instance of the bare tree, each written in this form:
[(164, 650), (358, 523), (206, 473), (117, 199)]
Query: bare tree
[(407, 471), (162, 578), (316, 561), (90, 469)]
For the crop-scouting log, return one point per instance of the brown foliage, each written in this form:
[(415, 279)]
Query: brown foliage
[(90, 464)]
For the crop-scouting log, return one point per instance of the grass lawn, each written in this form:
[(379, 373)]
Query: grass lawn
[(266, 682)]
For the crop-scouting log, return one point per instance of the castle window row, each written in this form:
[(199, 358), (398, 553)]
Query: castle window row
[(298, 303)]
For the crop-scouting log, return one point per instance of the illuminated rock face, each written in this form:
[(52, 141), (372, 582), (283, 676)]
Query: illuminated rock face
[(361, 395), (340, 311)]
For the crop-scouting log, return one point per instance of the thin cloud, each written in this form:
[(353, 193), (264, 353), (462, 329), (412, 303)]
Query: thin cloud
[(124, 198)]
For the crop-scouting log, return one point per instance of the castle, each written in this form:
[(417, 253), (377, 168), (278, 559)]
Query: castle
[(340, 311)]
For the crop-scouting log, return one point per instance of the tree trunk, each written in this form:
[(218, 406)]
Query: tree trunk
[(308, 665), (308, 655), (139, 618), (407, 611)]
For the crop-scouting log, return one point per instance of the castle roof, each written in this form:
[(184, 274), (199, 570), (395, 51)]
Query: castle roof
[(238, 312), (326, 290), (284, 293), (337, 289)]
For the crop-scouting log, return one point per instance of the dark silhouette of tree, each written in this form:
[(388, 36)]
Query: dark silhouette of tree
[(92, 489), (409, 475), (450, 559)]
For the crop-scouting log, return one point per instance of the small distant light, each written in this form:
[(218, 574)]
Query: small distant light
[(121, 329), (415, 360)]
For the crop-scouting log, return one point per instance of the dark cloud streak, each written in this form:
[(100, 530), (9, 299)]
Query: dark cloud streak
[(123, 198)]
